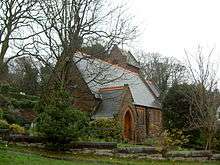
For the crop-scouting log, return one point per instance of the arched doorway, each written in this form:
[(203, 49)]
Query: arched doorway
[(128, 126)]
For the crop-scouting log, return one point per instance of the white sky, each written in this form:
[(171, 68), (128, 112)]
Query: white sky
[(169, 26)]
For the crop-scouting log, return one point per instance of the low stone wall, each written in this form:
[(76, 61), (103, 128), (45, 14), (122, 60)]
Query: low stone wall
[(73, 145), (190, 154), (96, 145), (151, 153), (136, 150), (215, 157)]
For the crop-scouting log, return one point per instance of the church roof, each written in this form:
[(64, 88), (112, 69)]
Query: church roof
[(100, 74), (111, 102), (154, 88)]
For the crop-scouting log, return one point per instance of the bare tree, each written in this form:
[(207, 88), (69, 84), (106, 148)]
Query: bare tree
[(70, 24), (24, 75), (15, 27), (204, 95), (163, 71)]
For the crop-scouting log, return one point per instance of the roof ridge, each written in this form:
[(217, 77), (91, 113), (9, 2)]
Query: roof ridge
[(115, 65)]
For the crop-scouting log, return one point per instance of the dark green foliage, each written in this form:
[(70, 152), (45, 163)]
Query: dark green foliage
[(11, 91), (24, 103), (106, 129), (20, 96), (12, 117), (25, 75), (3, 101), (4, 124), (6, 88), (176, 106), (3, 71), (12, 101), (45, 74), (60, 125), (59, 122), (176, 110)]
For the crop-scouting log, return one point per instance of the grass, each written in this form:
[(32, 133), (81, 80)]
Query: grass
[(25, 156), (14, 158)]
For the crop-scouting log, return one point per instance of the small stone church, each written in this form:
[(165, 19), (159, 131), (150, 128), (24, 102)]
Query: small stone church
[(114, 87)]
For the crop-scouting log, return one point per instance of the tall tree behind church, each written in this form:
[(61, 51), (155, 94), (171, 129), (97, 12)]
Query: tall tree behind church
[(163, 71)]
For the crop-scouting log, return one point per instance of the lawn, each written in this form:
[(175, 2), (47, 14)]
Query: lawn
[(16, 157)]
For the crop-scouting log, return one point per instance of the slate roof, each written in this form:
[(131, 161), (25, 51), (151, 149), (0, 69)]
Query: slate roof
[(111, 103), (154, 88), (100, 74)]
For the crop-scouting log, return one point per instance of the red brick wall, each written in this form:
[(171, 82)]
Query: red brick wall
[(139, 132), (146, 122), (83, 98), (127, 105)]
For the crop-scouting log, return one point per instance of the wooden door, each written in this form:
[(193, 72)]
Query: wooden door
[(128, 126)]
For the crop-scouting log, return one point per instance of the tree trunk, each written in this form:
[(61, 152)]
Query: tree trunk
[(3, 71), (209, 138), (60, 75)]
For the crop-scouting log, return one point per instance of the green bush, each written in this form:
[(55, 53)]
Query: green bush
[(61, 125), (1, 113), (6, 88), (16, 129), (12, 117), (4, 124), (106, 129), (19, 96), (4, 101), (168, 140), (216, 141), (25, 103), (59, 122), (150, 141)]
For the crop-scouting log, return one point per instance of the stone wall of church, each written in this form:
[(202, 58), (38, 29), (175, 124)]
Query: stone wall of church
[(155, 121), (141, 129), (83, 98), (127, 105)]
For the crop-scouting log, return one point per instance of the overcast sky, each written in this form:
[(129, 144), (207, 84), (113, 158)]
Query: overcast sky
[(169, 26)]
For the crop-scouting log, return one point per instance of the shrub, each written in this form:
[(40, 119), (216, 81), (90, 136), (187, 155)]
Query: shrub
[(61, 125), (12, 117), (170, 139), (4, 101), (6, 88), (106, 129), (150, 141), (16, 129), (21, 96), (59, 122), (25, 103), (216, 144), (4, 124), (1, 113)]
